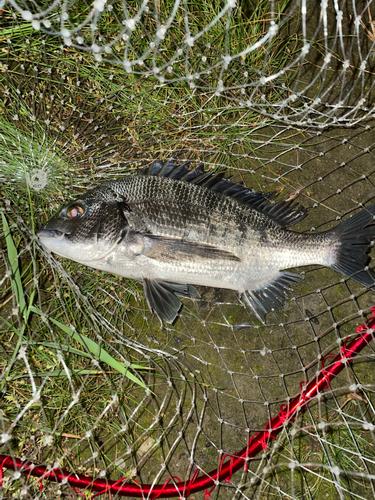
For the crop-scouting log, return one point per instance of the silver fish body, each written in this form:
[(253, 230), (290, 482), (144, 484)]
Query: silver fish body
[(172, 227)]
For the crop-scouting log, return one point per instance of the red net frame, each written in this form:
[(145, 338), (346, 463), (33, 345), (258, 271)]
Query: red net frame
[(174, 487)]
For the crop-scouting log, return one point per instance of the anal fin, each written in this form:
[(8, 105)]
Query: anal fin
[(161, 297), (272, 296)]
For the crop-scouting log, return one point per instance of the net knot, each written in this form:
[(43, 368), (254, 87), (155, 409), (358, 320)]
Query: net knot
[(249, 443), (284, 413), (268, 432), (346, 352), (302, 385)]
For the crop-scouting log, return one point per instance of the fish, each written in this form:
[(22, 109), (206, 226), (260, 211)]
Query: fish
[(174, 227)]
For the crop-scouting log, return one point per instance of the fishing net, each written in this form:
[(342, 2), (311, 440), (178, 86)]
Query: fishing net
[(97, 397)]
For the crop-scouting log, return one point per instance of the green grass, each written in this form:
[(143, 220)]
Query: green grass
[(167, 118), (141, 118), (71, 360), (26, 308)]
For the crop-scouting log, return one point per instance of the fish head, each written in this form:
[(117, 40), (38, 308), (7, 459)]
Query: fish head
[(86, 229)]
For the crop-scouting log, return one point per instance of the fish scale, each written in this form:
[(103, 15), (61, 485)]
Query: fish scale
[(194, 214), (173, 227)]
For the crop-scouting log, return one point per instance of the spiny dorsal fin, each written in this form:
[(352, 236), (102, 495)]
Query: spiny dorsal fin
[(176, 171), (285, 213)]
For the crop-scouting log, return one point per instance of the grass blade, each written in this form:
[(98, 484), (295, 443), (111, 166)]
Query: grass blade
[(51, 345), (96, 350), (72, 350), (15, 272)]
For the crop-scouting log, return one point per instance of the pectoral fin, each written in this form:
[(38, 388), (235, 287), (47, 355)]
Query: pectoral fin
[(161, 297), (171, 250), (272, 296)]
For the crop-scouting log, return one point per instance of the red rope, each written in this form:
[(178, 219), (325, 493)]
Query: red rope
[(208, 482)]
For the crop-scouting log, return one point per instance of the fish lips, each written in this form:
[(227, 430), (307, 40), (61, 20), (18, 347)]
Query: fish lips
[(49, 233), (52, 240), (56, 228)]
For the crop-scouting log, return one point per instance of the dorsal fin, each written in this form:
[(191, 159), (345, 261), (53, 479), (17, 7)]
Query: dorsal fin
[(285, 213), (176, 171)]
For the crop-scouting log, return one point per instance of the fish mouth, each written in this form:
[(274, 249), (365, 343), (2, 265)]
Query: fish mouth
[(50, 233), (55, 241)]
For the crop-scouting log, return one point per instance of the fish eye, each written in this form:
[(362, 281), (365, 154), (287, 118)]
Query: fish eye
[(75, 212)]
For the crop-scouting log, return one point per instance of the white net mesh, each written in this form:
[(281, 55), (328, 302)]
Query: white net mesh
[(281, 95)]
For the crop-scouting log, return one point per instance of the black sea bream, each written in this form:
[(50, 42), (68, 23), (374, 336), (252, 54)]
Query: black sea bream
[(173, 227)]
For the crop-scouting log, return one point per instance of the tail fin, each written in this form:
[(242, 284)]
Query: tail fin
[(356, 235)]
